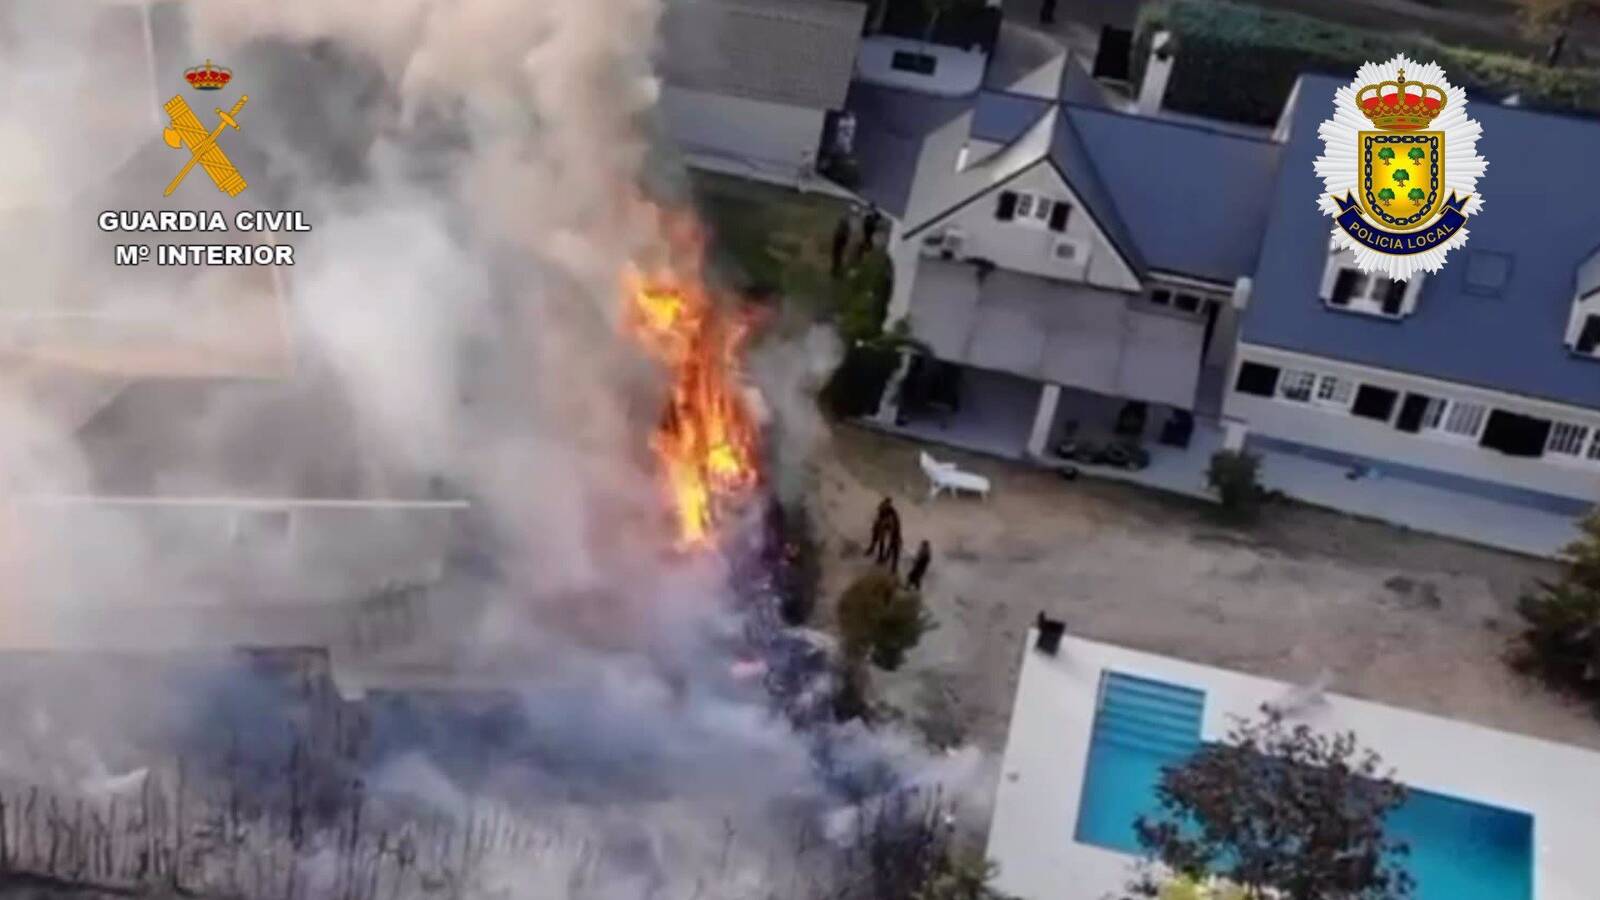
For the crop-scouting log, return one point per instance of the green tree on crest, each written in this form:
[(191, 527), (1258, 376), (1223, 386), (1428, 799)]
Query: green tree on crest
[(1416, 195), (1385, 195), (1386, 154), (1416, 154), (1401, 176)]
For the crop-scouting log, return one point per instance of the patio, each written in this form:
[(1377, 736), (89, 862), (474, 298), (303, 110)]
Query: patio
[(997, 413)]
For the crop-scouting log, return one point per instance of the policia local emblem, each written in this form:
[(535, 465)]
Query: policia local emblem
[(1400, 168)]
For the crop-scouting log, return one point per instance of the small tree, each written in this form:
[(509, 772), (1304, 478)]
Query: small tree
[(1561, 638), (1289, 811), (880, 620), (1236, 477), (1401, 176), (1416, 154), (1416, 195), (1386, 154), (1386, 196)]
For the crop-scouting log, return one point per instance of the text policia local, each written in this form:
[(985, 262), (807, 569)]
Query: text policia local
[(189, 222)]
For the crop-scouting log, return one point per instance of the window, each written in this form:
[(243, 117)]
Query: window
[(1356, 290), (1567, 439), (1589, 337), (1160, 296), (1033, 209), (916, 63), (1257, 379), (1297, 385), (1486, 273), (1335, 391), (1373, 402), (1186, 302), (1454, 417)]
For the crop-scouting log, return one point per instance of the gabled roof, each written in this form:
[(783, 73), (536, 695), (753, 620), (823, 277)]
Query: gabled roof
[(1541, 207), (1121, 166), (892, 130), (799, 52)]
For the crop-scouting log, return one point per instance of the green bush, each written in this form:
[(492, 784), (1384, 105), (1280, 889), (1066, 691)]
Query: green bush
[(862, 297), (879, 619), (1561, 636), (1239, 62), (1236, 477)]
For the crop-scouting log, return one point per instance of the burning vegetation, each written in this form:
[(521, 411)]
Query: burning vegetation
[(706, 441)]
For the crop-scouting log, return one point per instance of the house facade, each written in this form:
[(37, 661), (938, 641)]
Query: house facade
[(1047, 259), (749, 84), (1482, 377), (1061, 260)]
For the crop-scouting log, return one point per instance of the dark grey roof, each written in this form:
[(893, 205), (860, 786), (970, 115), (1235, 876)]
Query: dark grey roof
[(800, 52), (1194, 199), (1541, 207), (1070, 334), (891, 129), (1071, 156)]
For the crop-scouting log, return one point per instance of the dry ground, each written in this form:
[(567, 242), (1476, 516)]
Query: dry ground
[(1401, 618)]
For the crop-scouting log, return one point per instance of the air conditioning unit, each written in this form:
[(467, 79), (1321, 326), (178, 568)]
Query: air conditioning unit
[(1067, 251), (952, 243)]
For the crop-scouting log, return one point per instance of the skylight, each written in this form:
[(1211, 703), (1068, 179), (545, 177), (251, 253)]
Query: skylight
[(1487, 272)]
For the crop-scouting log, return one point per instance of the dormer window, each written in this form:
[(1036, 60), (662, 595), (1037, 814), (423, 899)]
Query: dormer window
[(1032, 209), (1347, 288)]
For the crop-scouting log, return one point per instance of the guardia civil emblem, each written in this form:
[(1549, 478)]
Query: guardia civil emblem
[(1401, 168)]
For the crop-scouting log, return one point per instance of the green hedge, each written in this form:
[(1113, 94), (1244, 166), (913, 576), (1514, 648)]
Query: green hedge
[(1239, 62)]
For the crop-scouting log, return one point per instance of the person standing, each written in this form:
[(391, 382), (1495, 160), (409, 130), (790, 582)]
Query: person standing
[(919, 566), (869, 232), (841, 241), (880, 529), (891, 550), (1047, 12)]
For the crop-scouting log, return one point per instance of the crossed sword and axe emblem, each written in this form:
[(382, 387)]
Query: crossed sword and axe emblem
[(187, 130)]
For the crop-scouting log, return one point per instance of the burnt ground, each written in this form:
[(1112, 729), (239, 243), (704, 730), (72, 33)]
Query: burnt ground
[(1397, 617)]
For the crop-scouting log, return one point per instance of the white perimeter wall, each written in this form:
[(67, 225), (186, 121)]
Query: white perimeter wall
[(768, 134), (1339, 430)]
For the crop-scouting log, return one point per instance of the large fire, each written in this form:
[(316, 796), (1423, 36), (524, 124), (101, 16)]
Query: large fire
[(706, 440)]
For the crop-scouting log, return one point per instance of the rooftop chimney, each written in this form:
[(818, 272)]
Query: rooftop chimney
[(1050, 632)]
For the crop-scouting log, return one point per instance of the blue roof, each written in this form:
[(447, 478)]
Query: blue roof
[(1541, 208), (1195, 199), (1121, 166)]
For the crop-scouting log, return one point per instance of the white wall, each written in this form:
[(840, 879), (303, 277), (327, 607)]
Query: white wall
[(771, 135), (1339, 430), (1026, 247)]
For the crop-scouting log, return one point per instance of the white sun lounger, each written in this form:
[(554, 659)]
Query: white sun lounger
[(944, 477)]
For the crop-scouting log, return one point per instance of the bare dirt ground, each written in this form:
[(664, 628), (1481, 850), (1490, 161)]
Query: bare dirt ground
[(1400, 618)]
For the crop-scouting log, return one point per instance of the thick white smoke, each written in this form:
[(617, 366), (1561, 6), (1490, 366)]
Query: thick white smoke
[(475, 174)]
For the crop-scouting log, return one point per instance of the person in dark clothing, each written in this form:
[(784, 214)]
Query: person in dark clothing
[(869, 232), (919, 566), (841, 242), (880, 529), (1047, 12), (891, 552)]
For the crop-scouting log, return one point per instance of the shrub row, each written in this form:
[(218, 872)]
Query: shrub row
[(1239, 62)]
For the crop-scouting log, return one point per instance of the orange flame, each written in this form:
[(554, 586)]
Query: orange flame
[(706, 442)]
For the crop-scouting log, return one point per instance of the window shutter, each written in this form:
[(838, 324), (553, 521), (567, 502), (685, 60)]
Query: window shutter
[(1255, 378), (1394, 298), (1006, 209), (1058, 216), (1413, 291), (1411, 413), (1343, 286), (1373, 402), (1330, 272)]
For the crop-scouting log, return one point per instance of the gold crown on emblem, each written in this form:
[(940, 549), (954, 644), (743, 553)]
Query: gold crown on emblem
[(1401, 105), (208, 77)]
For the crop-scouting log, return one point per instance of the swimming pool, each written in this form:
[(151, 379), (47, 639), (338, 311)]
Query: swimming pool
[(1460, 850)]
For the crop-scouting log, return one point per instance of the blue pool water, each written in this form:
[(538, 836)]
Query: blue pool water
[(1459, 850)]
